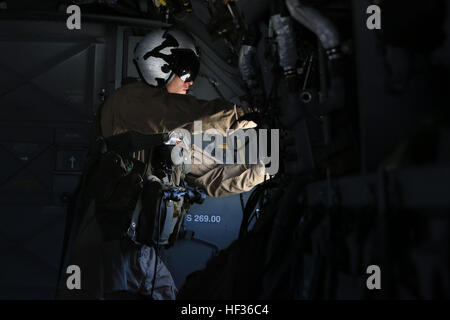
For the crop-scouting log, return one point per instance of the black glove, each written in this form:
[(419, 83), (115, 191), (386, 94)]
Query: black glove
[(252, 116), (256, 117)]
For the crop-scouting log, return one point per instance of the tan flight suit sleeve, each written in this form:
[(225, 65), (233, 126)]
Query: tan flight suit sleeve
[(225, 180), (220, 180)]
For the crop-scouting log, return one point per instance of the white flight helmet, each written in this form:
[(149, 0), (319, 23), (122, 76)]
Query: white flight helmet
[(162, 54)]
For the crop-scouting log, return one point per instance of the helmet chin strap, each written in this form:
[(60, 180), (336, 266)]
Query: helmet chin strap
[(169, 80)]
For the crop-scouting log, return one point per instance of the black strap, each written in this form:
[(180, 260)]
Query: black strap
[(130, 141), (131, 232)]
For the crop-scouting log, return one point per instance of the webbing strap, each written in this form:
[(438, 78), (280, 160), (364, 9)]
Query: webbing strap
[(131, 232)]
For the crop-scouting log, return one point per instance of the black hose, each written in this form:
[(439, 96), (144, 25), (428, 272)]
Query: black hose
[(157, 247), (313, 20)]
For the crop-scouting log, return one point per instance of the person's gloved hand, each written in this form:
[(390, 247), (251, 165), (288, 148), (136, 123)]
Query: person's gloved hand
[(178, 136), (252, 116), (246, 121), (253, 100), (181, 140), (261, 121)]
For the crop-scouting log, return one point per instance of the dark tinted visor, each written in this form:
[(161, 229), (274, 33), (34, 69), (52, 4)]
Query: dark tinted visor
[(186, 64)]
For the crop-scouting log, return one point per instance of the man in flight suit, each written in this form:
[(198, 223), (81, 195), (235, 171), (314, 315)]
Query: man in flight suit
[(168, 62), (159, 104)]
